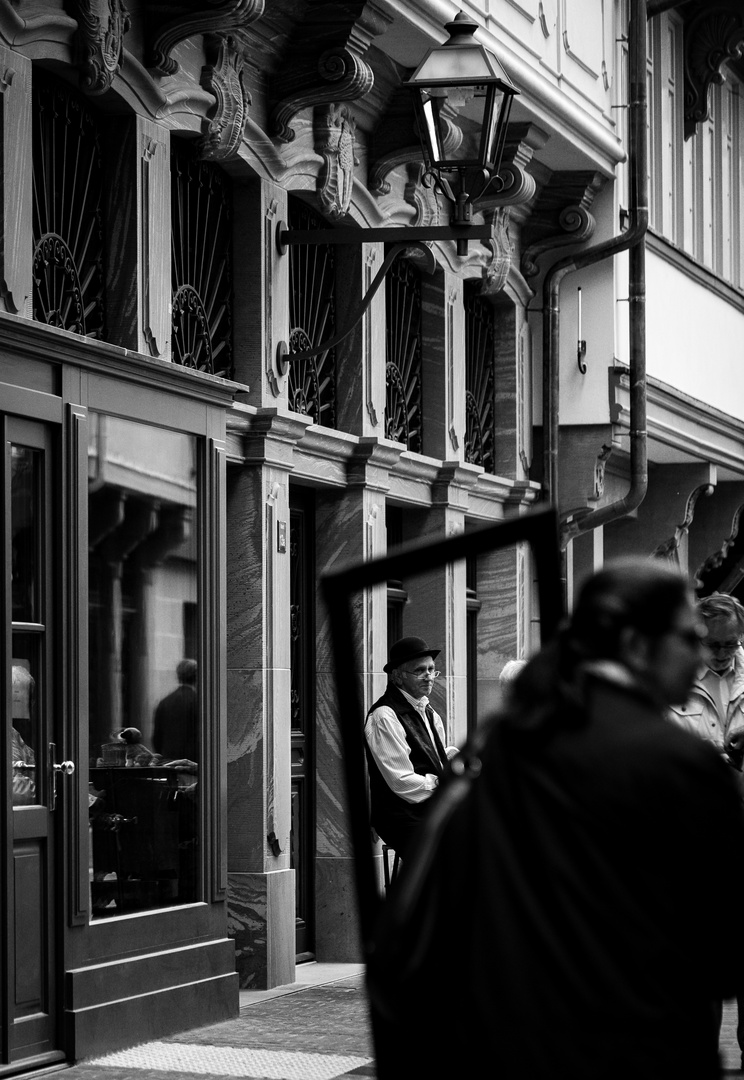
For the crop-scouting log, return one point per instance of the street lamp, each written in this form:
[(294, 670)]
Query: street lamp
[(462, 97)]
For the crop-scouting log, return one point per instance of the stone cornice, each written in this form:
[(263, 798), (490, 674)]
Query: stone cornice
[(170, 23)]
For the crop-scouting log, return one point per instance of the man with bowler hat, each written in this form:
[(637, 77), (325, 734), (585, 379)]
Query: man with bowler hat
[(405, 741)]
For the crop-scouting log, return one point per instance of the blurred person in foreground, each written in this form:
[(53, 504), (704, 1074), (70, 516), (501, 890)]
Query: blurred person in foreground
[(714, 709), (574, 891)]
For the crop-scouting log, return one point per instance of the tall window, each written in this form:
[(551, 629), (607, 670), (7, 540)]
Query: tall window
[(312, 319), (201, 230), (480, 431), (68, 274), (144, 726), (403, 414)]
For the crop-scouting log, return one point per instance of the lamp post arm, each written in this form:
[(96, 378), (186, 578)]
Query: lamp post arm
[(283, 355)]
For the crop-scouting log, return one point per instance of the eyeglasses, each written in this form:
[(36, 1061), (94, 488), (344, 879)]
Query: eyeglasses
[(421, 675), (722, 646)]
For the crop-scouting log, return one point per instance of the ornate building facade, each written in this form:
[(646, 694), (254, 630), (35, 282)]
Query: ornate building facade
[(192, 438)]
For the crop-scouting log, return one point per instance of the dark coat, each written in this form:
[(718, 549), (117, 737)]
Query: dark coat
[(578, 930), (175, 732)]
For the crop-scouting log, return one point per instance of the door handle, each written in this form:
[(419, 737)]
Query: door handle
[(65, 768)]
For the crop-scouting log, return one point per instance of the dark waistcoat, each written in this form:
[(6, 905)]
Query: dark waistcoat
[(393, 818)]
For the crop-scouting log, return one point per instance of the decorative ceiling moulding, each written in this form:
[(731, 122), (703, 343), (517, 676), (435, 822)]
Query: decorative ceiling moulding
[(99, 41), (168, 24), (561, 216), (223, 77), (325, 63), (334, 142), (712, 37)]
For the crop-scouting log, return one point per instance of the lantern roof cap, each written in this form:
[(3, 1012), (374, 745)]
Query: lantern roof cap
[(460, 60)]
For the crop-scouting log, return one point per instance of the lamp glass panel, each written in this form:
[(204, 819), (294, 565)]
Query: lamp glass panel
[(463, 63), (455, 116)]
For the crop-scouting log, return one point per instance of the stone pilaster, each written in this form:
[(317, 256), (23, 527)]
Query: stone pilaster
[(443, 327), (360, 358), (261, 290), (350, 527), (261, 883), (15, 227)]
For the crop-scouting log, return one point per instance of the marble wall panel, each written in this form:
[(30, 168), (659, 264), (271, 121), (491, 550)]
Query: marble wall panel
[(332, 838), (501, 591), (261, 922), (506, 354), (338, 937), (246, 778)]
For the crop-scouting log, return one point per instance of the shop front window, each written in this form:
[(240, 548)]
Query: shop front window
[(145, 725)]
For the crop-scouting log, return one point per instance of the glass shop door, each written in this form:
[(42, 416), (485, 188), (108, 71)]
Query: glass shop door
[(35, 777)]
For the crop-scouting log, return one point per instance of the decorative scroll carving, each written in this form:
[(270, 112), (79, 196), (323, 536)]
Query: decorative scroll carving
[(669, 548), (319, 73), (421, 196), (408, 153), (335, 127), (102, 25), (518, 185), (712, 37), (496, 270), (561, 216), (716, 560), (223, 77), (600, 468), (170, 23)]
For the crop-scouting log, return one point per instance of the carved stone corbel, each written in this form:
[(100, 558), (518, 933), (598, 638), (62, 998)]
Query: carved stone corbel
[(102, 25), (170, 23), (518, 185), (223, 77), (421, 195), (323, 68), (495, 271), (669, 549), (561, 216), (334, 131), (711, 38)]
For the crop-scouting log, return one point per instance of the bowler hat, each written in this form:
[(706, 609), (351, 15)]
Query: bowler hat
[(408, 648)]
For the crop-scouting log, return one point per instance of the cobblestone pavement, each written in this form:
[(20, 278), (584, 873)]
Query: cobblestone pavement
[(315, 1029)]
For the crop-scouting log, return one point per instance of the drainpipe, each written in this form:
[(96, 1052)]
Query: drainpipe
[(632, 240)]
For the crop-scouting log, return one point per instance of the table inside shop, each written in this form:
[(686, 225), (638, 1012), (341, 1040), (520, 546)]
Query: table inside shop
[(143, 839)]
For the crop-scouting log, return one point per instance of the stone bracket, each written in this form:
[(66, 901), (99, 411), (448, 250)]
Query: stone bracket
[(99, 40), (711, 38), (223, 77), (168, 24), (678, 489), (560, 217), (326, 62), (334, 132)]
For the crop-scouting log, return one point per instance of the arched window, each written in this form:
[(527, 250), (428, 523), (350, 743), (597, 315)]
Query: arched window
[(312, 320), (480, 432), (201, 262), (403, 416), (68, 237)]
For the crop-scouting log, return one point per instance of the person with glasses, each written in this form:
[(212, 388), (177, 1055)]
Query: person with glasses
[(405, 744), (715, 707)]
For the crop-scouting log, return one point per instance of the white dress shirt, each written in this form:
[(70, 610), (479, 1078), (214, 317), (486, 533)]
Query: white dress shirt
[(388, 745)]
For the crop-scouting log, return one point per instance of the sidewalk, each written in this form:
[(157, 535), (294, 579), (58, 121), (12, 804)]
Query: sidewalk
[(314, 1029)]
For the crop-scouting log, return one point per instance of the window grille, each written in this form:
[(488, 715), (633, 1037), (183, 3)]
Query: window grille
[(403, 413), (68, 274), (312, 318), (480, 428), (201, 267)]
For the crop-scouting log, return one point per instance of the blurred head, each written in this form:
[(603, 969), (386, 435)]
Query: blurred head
[(723, 616), (641, 614), (186, 672), (509, 672)]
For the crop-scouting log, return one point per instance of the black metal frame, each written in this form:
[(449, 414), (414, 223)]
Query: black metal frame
[(538, 528)]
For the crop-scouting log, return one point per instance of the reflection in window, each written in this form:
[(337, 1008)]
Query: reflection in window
[(28, 631), (144, 717)]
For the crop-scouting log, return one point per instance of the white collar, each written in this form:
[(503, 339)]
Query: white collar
[(418, 703)]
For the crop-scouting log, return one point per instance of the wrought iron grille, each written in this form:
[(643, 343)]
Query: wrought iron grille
[(403, 416), (312, 318), (68, 273), (201, 263), (480, 414)]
